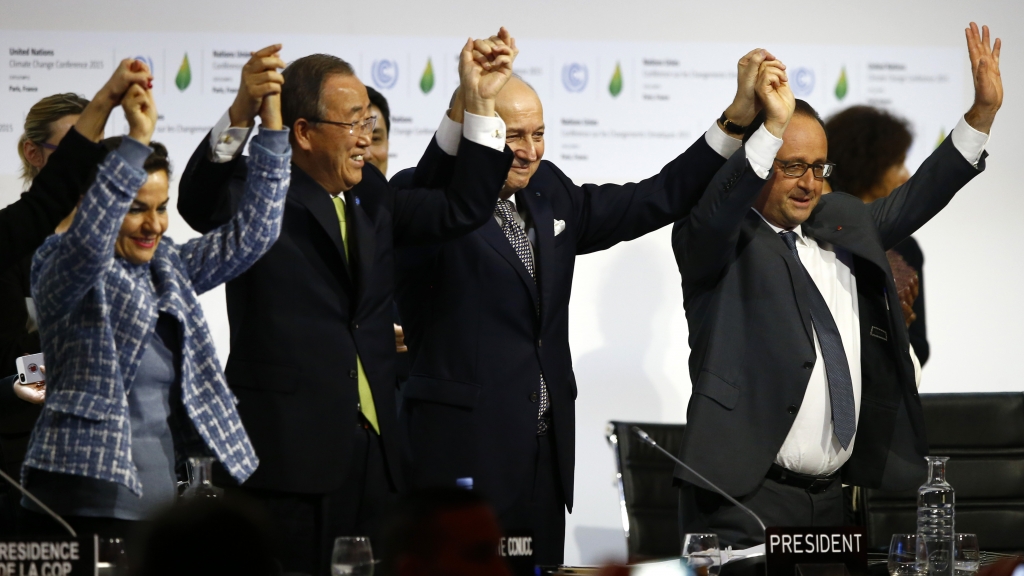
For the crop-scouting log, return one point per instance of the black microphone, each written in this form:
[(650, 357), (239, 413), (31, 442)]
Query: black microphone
[(643, 436), (45, 508)]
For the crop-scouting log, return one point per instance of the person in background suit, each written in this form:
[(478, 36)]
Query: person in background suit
[(869, 146), (799, 351), (312, 335), (490, 401), (377, 151), (377, 154)]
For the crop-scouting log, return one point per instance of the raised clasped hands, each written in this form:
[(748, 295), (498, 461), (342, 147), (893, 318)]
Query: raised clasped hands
[(484, 68), (140, 111), (988, 83), (774, 95), (129, 72), (745, 105), (259, 92)]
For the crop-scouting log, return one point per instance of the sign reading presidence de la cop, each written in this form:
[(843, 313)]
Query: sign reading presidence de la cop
[(47, 557)]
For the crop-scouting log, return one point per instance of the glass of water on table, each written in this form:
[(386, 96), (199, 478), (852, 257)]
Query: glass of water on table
[(966, 556), (352, 556), (702, 555), (903, 555)]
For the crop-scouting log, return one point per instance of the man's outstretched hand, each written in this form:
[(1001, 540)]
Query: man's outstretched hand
[(775, 96), (260, 78), (484, 68), (988, 83)]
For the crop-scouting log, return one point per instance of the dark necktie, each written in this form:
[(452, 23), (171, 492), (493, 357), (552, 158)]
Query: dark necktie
[(837, 367), (521, 244)]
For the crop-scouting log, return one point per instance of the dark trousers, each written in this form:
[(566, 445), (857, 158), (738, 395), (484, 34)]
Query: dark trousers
[(306, 525), (777, 504), (540, 508)]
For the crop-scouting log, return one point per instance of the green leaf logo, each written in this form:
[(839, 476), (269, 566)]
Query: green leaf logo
[(427, 80), (615, 86), (184, 77), (841, 86), (942, 137)]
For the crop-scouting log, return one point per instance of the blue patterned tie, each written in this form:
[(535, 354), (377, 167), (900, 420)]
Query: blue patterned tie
[(837, 367), (521, 244)]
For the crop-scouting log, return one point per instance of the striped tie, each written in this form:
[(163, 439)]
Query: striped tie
[(837, 367)]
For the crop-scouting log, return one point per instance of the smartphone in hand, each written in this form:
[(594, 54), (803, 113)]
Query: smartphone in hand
[(30, 368)]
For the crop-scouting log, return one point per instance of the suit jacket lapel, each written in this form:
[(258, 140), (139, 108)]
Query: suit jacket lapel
[(828, 224), (362, 239), (797, 273), (544, 227), (318, 202), (494, 236)]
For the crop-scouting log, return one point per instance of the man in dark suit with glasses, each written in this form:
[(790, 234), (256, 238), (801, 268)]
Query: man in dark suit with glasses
[(802, 378), (312, 336)]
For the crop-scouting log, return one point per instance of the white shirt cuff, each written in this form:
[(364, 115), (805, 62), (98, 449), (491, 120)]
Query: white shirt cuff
[(227, 141), (485, 131), (761, 149), (969, 141), (448, 135), (721, 142)]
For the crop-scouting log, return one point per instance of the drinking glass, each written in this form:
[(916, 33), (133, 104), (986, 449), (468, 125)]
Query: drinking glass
[(111, 559), (903, 555), (352, 556), (966, 556), (701, 553)]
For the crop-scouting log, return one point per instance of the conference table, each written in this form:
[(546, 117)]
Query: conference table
[(752, 566)]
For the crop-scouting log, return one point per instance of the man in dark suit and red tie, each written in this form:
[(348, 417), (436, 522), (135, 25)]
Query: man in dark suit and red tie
[(800, 363), (312, 336), (490, 399)]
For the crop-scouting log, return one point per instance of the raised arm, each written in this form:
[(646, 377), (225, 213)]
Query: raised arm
[(211, 184), (610, 213), (466, 201), (57, 188), (226, 252), (68, 265), (957, 160), (704, 243)]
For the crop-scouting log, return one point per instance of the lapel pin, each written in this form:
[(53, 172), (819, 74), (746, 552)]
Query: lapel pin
[(838, 228), (357, 204)]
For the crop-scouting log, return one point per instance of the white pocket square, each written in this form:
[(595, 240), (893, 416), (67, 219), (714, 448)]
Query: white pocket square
[(559, 227)]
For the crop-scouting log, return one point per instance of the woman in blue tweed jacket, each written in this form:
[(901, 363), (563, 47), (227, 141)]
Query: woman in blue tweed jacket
[(133, 381)]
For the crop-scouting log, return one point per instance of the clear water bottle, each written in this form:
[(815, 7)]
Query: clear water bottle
[(200, 480), (935, 501)]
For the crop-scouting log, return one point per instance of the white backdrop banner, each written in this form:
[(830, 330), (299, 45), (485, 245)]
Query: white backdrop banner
[(615, 112)]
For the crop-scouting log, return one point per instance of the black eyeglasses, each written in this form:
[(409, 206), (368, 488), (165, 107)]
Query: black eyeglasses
[(47, 145), (364, 126), (798, 169)]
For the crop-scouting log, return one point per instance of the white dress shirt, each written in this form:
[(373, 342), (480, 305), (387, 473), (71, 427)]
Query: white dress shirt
[(811, 447)]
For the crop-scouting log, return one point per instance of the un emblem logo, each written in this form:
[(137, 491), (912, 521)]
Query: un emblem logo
[(574, 77), (803, 82), (384, 74)]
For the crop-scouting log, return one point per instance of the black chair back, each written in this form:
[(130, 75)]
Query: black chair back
[(649, 503), (983, 435)]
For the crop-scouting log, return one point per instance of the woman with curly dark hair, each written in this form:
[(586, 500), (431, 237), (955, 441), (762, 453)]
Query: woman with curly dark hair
[(869, 147)]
